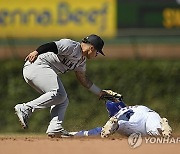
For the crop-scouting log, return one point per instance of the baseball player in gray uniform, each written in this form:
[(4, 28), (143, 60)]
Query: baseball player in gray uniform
[(41, 72)]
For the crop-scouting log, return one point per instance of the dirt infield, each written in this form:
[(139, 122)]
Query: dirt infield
[(113, 145)]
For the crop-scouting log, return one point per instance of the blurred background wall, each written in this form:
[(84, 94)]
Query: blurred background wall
[(131, 29), (142, 47)]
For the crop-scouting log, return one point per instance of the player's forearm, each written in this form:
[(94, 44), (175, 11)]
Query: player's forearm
[(82, 77)]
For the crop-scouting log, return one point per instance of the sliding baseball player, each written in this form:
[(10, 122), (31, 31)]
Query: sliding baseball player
[(126, 120)]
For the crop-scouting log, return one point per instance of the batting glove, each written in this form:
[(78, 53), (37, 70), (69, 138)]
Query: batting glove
[(110, 127), (166, 129)]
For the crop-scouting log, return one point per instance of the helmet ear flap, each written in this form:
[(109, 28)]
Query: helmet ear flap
[(114, 107)]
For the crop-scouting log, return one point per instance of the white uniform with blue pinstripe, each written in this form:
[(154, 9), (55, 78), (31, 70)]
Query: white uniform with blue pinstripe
[(138, 118), (131, 119)]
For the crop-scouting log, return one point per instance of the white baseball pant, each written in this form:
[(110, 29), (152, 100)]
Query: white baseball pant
[(44, 79)]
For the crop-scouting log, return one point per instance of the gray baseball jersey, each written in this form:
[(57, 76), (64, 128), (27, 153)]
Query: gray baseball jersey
[(69, 57)]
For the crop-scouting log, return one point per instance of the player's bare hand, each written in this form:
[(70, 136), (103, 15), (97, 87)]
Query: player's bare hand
[(32, 56), (102, 94)]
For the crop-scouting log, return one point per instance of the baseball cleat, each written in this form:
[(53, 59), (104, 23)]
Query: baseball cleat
[(73, 133), (22, 115), (61, 134), (110, 127), (166, 129)]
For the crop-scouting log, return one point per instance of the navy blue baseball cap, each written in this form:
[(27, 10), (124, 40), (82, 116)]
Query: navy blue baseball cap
[(96, 41)]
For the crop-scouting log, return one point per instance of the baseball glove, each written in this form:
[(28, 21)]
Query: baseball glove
[(111, 95)]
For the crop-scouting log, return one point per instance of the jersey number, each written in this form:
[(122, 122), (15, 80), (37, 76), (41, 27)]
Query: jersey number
[(126, 115)]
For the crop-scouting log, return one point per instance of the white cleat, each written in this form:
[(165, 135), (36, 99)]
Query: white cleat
[(166, 129), (61, 134), (110, 127), (22, 115)]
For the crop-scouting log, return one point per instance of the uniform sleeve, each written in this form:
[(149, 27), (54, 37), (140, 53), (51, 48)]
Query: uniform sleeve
[(63, 46), (48, 47)]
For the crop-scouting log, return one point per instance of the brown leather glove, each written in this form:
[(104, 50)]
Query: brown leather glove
[(111, 95)]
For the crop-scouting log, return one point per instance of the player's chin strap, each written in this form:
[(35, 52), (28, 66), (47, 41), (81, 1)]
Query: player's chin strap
[(111, 95)]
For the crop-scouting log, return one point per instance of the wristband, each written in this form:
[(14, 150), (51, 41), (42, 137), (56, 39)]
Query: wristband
[(94, 89)]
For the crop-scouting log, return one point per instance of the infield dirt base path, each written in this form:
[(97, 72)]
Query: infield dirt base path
[(44, 145)]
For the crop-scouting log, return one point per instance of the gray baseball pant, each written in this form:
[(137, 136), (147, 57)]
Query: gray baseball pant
[(45, 80)]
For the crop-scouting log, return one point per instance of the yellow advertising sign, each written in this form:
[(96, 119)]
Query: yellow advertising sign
[(57, 18), (171, 17)]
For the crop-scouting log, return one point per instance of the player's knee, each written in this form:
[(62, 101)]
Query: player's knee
[(66, 102), (60, 95)]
